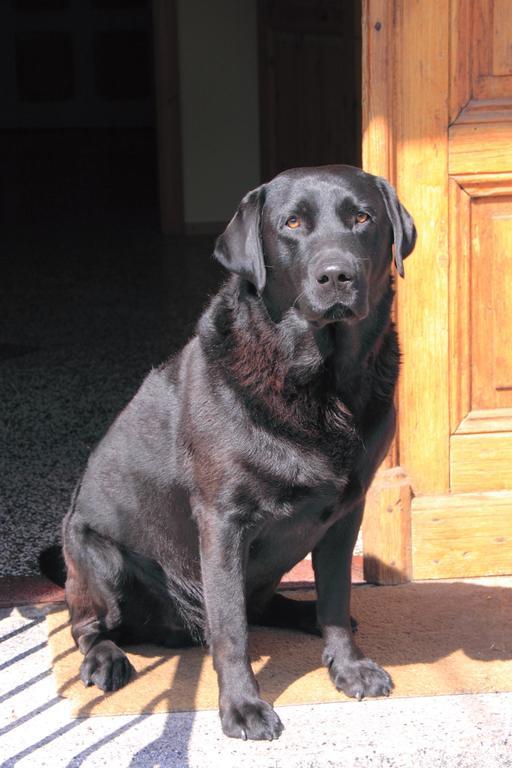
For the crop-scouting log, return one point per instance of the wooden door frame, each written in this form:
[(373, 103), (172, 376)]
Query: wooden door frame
[(168, 116), (400, 39)]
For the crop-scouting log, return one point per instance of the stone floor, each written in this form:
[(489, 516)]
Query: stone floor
[(36, 730)]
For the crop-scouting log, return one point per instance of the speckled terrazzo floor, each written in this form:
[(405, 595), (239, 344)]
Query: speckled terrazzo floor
[(87, 316), (91, 296)]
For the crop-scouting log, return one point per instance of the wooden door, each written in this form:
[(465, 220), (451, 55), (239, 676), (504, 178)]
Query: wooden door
[(437, 114), (310, 83)]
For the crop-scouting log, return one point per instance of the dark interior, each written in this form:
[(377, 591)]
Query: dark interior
[(92, 293)]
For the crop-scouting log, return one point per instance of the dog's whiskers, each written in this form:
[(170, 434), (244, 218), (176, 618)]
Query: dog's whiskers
[(301, 294)]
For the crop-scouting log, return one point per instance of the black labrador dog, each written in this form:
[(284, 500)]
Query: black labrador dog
[(252, 447)]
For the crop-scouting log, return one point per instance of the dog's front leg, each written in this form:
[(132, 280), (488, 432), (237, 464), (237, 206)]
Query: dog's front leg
[(223, 555), (350, 671)]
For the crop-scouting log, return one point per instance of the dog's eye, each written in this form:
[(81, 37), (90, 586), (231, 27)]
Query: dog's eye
[(293, 222), (361, 217)]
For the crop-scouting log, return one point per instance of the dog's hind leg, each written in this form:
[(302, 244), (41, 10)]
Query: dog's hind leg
[(286, 613), (116, 595), (92, 595)]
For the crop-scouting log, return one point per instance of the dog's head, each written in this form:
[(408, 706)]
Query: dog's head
[(319, 241)]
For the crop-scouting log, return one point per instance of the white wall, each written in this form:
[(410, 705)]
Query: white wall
[(219, 105)]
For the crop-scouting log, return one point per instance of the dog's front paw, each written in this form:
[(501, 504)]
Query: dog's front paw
[(106, 666), (359, 678), (250, 719)]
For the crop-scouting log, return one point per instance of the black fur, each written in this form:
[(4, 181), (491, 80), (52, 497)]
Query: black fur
[(251, 448)]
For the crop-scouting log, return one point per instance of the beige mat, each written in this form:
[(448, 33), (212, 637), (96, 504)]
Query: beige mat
[(433, 638)]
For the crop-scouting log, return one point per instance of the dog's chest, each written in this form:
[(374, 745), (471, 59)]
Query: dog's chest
[(301, 483), (296, 522), (309, 459), (301, 488), (296, 519)]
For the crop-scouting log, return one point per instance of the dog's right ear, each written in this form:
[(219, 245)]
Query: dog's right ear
[(239, 248), (404, 231)]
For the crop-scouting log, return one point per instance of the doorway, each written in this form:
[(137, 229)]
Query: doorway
[(310, 83), (261, 86), (92, 293)]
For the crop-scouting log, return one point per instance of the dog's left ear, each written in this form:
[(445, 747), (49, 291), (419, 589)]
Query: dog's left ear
[(239, 248), (404, 231)]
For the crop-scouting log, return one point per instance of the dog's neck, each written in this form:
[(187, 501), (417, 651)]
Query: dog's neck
[(284, 362), (357, 346)]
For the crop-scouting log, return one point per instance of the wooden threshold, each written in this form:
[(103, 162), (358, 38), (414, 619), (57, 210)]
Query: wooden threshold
[(461, 535)]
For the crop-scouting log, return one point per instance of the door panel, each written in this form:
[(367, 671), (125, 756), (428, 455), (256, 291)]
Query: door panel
[(490, 38), (491, 303), (481, 141), (480, 161), (448, 150), (481, 462)]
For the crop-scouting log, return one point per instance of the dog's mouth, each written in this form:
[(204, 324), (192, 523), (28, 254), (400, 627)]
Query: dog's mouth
[(339, 312), (350, 310)]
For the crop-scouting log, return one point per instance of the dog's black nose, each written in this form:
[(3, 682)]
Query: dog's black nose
[(333, 274)]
